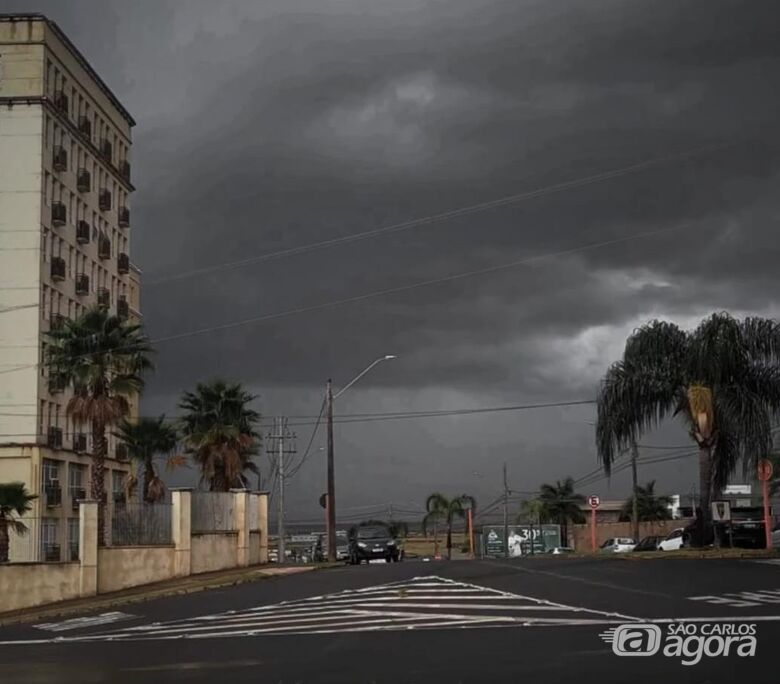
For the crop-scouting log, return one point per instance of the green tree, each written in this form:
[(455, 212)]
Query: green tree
[(102, 357), (532, 512), (14, 503), (722, 379), (650, 506), (441, 509), (218, 430), (146, 440), (562, 504)]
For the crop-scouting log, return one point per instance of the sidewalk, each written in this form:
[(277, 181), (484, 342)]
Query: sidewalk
[(174, 587)]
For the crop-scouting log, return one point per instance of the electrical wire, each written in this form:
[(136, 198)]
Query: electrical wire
[(295, 469)]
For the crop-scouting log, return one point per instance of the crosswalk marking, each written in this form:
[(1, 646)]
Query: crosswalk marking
[(428, 602), (83, 622)]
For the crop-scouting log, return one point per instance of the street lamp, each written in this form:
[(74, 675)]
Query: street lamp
[(331, 500)]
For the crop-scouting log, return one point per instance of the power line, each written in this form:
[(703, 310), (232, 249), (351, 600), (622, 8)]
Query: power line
[(444, 216), (294, 471)]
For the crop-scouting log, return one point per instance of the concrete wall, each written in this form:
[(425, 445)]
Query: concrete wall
[(580, 534), (254, 548), (33, 584), (213, 551), (130, 566)]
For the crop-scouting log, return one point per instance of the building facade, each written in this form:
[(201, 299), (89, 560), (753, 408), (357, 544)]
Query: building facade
[(64, 246)]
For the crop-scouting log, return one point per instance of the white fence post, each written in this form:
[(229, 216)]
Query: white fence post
[(181, 520), (88, 548), (241, 513)]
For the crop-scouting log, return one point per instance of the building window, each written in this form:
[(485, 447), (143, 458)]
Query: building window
[(49, 539), (73, 539), (118, 486), (77, 477)]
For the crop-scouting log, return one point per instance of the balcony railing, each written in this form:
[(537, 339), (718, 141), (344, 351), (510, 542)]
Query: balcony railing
[(106, 151), (104, 200), (82, 284), (59, 214), (73, 550), (51, 553), (54, 437), (52, 495), (58, 268), (124, 169), (80, 442), (61, 101), (60, 158), (57, 322), (104, 297), (104, 246), (85, 127), (121, 452), (83, 232), (77, 494), (57, 384), (122, 308), (124, 217), (123, 263), (84, 180)]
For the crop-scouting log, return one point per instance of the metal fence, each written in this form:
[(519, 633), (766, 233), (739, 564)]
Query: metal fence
[(213, 512), (140, 524), (24, 547)]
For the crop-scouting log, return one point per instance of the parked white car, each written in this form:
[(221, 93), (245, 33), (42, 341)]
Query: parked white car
[(675, 540), (618, 545)]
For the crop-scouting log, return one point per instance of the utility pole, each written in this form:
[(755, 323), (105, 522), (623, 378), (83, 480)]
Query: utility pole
[(276, 448), (506, 515), (635, 504), (331, 478)]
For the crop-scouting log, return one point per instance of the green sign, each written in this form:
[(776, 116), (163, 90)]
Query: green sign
[(523, 539)]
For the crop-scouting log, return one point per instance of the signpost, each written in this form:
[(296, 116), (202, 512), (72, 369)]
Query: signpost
[(594, 502), (764, 475)]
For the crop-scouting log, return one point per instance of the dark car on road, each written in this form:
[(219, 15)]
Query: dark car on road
[(649, 543), (372, 542)]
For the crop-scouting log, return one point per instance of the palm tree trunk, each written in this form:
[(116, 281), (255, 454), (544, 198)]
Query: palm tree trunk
[(704, 518), (148, 475), (564, 531), (449, 539), (4, 542), (435, 539), (97, 484)]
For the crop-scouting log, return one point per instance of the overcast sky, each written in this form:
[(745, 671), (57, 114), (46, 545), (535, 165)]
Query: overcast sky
[(263, 126)]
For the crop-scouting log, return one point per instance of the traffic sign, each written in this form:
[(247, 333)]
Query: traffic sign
[(764, 470), (594, 501)]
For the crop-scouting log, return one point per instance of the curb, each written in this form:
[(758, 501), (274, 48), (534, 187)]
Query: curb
[(148, 593)]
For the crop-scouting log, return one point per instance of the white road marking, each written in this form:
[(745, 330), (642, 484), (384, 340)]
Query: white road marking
[(742, 599), (82, 622)]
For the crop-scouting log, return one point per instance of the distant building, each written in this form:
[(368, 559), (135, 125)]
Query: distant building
[(65, 225)]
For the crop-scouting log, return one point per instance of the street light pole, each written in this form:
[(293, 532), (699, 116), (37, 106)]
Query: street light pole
[(331, 478), (329, 397)]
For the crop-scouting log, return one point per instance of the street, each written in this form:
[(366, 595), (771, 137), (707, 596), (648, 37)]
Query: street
[(481, 621)]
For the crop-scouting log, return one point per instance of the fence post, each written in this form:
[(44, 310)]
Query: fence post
[(262, 525), (181, 520), (241, 513), (88, 548)]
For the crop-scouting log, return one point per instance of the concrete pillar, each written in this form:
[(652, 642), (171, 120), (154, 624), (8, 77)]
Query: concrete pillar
[(241, 520), (88, 548), (181, 520), (262, 524)]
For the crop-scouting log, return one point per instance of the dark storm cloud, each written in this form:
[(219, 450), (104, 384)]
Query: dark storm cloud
[(264, 126)]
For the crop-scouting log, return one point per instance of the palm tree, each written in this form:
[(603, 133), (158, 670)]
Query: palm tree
[(722, 379), (218, 429), (649, 506), (14, 502), (562, 504), (439, 507), (102, 357), (145, 440)]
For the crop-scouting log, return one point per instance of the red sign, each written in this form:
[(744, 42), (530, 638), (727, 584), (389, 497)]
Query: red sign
[(764, 470), (594, 501)]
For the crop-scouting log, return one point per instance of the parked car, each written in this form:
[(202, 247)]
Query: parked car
[(675, 540), (618, 545), (649, 543), (747, 528), (560, 550), (372, 542)]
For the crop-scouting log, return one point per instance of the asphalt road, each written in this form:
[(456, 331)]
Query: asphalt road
[(480, 621)]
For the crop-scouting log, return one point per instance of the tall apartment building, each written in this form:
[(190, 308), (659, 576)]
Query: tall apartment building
[(64, 246)]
